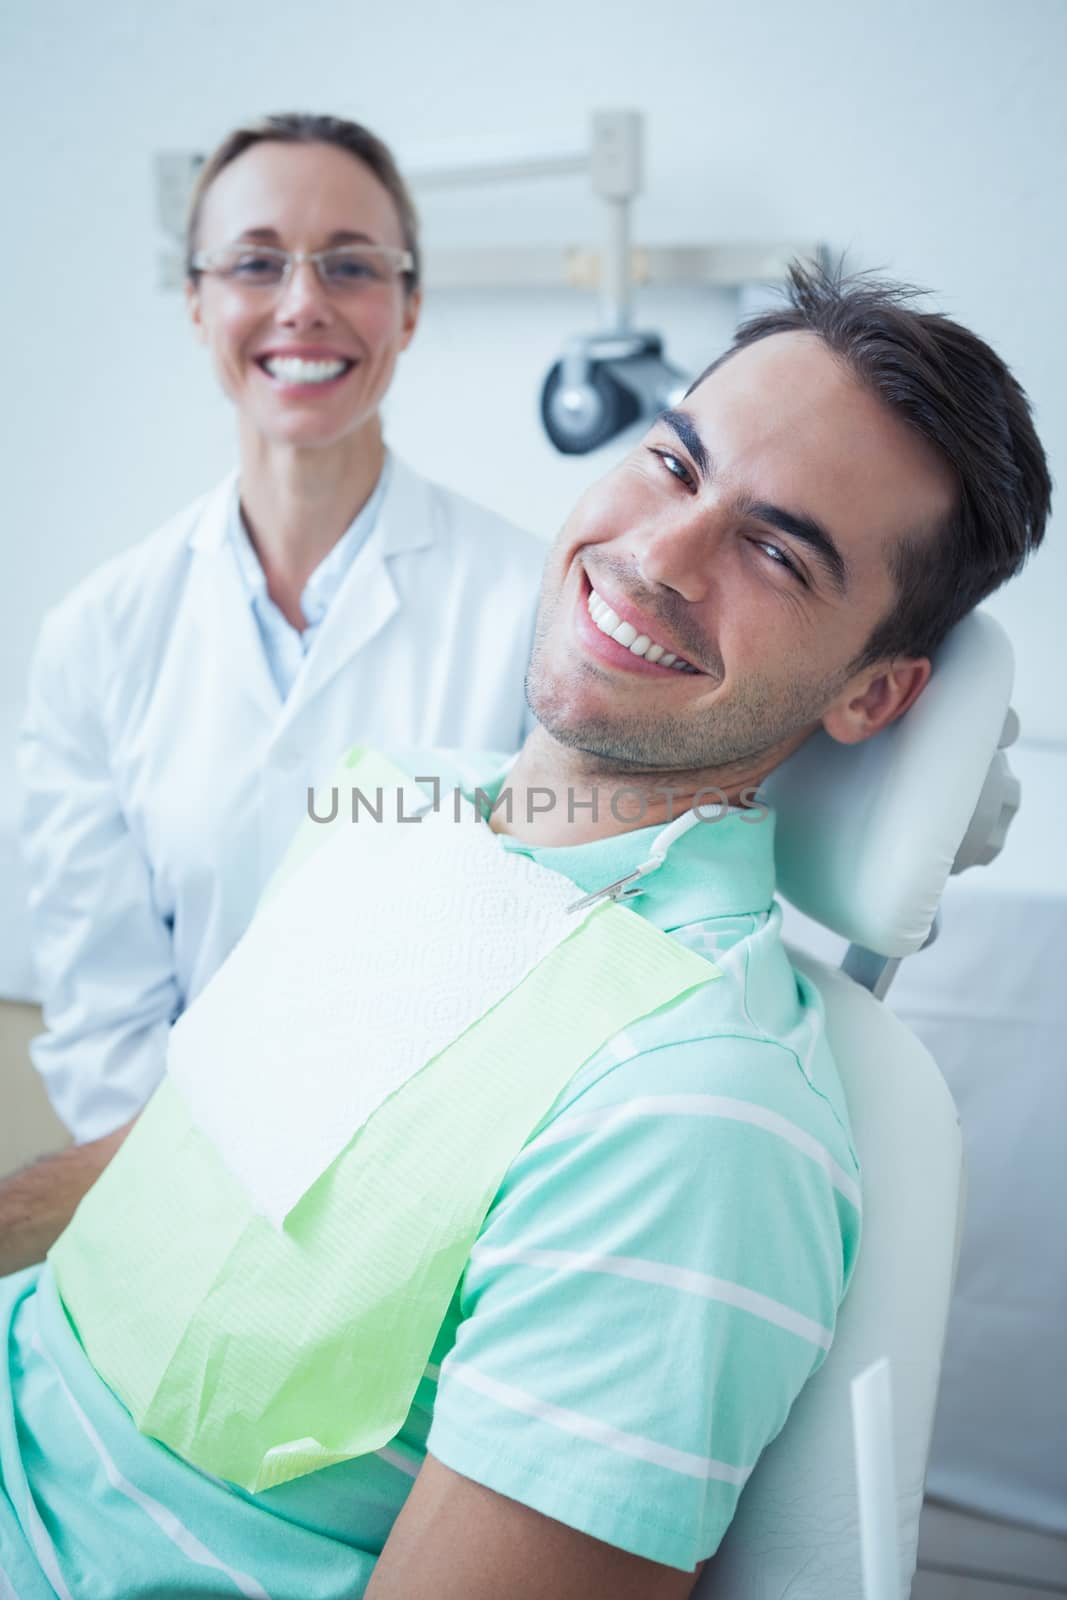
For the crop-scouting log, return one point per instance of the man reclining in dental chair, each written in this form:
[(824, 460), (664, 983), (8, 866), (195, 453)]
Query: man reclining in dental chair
[(501, 1197)]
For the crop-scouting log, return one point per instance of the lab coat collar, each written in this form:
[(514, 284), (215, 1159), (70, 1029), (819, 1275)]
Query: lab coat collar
[(219, 610), (368, 596), (212, 516), (364, 603), (404, 522)]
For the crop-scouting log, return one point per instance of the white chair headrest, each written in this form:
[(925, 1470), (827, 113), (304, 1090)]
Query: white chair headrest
[(866, 835)]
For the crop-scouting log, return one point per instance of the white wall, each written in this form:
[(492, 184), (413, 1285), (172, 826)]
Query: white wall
[(926, 139)]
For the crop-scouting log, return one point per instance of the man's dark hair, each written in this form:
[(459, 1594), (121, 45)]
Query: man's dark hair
[(947, 384)]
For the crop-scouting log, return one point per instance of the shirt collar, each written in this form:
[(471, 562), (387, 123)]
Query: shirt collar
[(719, 868)]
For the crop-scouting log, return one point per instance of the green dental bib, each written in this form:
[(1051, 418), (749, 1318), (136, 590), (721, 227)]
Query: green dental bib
[(260, 1353)]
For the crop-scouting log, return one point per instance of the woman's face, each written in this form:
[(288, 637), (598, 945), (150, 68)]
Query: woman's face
[(301, 197)]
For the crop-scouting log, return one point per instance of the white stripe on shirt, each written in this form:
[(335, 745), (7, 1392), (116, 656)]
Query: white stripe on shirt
[(684, 1278), (165, 1520), (705, 1105), (45, 1550), (574, 1422), (393, 1458)]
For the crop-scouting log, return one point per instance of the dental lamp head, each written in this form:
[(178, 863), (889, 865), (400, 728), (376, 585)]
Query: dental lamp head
[(604, 384)]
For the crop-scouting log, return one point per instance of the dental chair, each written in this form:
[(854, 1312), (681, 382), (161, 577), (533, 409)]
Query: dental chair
[(867, 836)]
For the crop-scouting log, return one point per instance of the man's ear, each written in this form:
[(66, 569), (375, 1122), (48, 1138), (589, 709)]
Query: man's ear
[(192, 305), (874, 699)]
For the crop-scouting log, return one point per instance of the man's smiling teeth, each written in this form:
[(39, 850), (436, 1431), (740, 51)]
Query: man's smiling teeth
[(624, 633), (293, 369)]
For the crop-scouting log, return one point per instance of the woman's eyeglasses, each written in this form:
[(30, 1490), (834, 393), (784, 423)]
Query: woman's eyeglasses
[(346, 269)]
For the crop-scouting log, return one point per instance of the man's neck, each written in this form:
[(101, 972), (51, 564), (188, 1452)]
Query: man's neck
[(562, 796), (298, 503)]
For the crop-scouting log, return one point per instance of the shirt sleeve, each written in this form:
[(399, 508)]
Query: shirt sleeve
[(102, 952), (657, 1278)]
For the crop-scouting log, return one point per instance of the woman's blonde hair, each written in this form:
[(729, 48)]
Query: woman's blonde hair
[(299, 127)]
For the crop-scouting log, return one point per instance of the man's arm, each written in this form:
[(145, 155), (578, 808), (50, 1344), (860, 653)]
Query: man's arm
[(37, 1203), (456, 1540)]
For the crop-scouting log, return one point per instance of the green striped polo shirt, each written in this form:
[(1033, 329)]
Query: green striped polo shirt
[(658, 1276)]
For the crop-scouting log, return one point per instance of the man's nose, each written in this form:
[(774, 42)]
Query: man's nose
[(679, 551)]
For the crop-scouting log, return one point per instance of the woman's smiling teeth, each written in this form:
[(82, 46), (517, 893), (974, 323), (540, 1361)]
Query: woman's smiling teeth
[(294, 369), (624, 633)]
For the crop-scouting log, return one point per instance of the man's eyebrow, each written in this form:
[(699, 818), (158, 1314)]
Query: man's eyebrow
[(682, 424), (796, 524), (805, 530)]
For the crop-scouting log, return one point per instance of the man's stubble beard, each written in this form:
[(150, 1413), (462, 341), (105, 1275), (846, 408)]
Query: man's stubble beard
[(758, 719)]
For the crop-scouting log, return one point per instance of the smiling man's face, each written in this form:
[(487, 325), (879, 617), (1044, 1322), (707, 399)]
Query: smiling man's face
[(748, 535)]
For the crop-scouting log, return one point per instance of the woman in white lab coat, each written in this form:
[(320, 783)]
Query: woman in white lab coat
[(186, 694)]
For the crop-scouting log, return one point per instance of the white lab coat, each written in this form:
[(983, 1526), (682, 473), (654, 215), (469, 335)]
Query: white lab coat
[(162, 777)]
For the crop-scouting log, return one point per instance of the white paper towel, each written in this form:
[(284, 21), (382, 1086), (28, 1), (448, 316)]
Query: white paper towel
[(377, 953)]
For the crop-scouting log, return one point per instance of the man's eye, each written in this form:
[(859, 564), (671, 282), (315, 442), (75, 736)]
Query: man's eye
[(782, 560), (676, 468)]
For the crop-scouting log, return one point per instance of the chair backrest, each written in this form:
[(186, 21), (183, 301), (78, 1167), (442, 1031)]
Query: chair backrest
[(866, 837), (795, 1532)]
